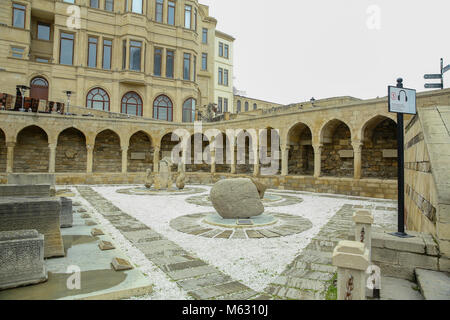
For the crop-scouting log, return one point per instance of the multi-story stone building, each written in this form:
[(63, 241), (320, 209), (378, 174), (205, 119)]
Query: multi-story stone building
[(223, 69), (144, 58)]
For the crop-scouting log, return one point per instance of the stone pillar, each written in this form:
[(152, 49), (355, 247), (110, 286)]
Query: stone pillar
[(124, 159), (157, 150), (10, 156), (357, 149), (52, 160), (285, 160), (317, 160), (233, 159), (90, 158), (363, 229), (256, 162), (352, 260), (213, 161)]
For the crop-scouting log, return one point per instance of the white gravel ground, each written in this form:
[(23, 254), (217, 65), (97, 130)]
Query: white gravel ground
[(255, 262)]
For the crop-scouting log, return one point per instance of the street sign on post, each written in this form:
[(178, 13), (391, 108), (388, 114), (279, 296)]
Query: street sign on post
[(401, 101), (433, 86), (433, 76), (446, 69)]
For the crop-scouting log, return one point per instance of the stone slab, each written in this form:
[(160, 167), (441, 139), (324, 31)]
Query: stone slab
[(41, 190), (21, 259), (31, 178), (398, 289), (96, 232), (120, 264), (106, 245), (192, 272), (66, 217), (434, 285), (41, 214)]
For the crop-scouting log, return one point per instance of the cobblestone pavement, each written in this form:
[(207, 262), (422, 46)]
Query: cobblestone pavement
[(140, 191), (287, 225), (309, 275), (285, 200), (201, 280)]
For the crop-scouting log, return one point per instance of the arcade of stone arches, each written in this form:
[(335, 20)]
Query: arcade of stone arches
[(329, 150)]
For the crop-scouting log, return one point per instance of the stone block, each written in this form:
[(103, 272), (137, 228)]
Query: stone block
[(444, 264), (106, 245), (41, 214), (396, 271), (418, 261), (390, 153), (137, 155), (66, 218), (16, 190), (21, 258), (351, 255), (416, 244), (431, 247), (377, 240), (96, 232), (443, 231), (346, 154), (385, 255), (31, 178), (120, 264)]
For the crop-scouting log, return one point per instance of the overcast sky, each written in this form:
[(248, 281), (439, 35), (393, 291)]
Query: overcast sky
[(291, 50)]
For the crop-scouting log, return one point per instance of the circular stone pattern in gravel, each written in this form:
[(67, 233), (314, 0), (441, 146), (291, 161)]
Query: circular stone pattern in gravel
[(270, 200), (142, 191), (283, 225)]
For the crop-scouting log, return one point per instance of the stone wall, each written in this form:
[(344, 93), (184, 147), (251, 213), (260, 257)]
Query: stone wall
[(3, 150), (200, 167), (427, 174), (332, 163), (71, 154), (107, 153), (31, 153), (140, 153), (301, 160), (376, 162)]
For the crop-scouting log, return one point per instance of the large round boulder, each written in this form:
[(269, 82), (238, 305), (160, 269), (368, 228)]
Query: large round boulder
[(236, 199)]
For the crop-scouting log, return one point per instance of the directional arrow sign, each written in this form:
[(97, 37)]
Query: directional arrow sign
[(433, 86), (433, 76), (446, 69)]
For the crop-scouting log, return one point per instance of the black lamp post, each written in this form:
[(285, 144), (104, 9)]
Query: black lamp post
[(312, 101)]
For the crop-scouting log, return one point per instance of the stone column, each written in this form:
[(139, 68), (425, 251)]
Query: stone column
[(352, 260), (256, 162), (363, 229), (90, 158), (52, 160), (213, 161), (357, 149), (233, 159), (124, 159), (157, 150), (10, 156), (285, 160), (317, 160)]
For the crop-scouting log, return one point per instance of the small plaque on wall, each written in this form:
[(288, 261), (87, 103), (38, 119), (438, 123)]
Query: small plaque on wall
[(346, 153), (138, 156)]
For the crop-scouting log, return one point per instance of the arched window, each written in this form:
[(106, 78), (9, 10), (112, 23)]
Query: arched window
[(97, 99), (132, 104), (255, 106), (189, 110), (246, 106), (39, 88), (163, 108), (239, 106)]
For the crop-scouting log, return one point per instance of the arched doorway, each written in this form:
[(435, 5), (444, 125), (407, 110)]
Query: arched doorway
[(301, 152), (140, 152), (31, 153), (39, 88), (107, 152), (3, 151), (71, 153)]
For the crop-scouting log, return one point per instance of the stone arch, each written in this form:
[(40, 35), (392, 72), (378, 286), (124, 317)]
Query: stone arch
[(223, 155), (3, 151), (379, 148), (245, 156), (71, 153), (140, 152), (107, 152), (167, 146), (270, 156), (337, 155), (199, 159), (301, 151), (31, 153)]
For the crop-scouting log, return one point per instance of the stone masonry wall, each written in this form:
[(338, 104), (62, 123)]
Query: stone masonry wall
[(3, 150), (31, 153), (374, 164), (71, 154), (107, 153), (140, 145), (332, 163)]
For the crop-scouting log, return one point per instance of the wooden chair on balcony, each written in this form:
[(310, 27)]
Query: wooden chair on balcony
[(27, 103), (34, 105)]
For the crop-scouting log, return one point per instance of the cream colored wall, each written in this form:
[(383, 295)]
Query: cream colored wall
[(221, 62), (116, 26)]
